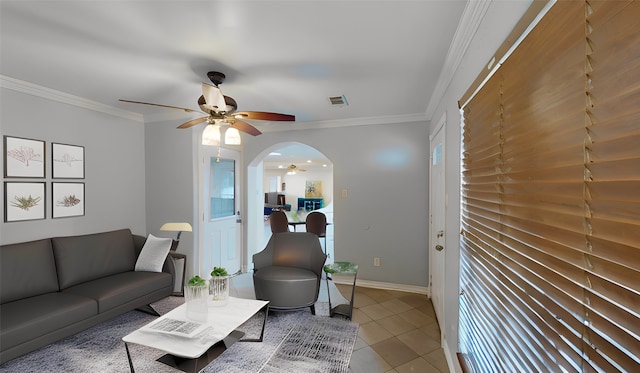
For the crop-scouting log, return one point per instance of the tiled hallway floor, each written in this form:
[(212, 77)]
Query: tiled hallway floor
[(398, 332)]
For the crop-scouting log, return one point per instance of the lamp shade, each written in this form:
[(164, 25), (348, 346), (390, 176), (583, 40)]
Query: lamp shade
[(211, 135), (232, 136), (176, 227)]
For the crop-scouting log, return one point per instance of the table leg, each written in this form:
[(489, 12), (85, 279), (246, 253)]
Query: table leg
[(126, 347), (327, 277), (264, 323)]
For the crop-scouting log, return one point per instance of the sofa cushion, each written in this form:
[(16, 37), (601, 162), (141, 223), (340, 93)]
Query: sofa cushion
[(29, 318), (27, 269), (286, 287), (153, 254), (88, 257), (116, 290)]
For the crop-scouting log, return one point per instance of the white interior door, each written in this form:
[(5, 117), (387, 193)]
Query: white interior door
[(437, 200), (221, 233)]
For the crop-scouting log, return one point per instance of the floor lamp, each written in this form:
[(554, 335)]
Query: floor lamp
[(178, 227)]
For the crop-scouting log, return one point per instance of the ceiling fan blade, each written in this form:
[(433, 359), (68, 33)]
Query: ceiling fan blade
[(245, 127), (193, 122), (213, 97), (263, 115), (160, 105)]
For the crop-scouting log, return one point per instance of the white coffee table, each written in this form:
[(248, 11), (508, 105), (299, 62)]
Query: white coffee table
[(193, 354)]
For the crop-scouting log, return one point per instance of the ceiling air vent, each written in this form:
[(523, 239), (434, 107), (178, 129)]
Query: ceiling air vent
[(338, 101)]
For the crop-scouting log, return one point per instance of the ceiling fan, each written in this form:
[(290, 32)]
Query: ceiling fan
[(293, 169), (221, 109)]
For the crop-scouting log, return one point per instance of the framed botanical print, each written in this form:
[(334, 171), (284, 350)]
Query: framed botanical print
[(67, 161), (24, 201), (24, 157), (67, 199)]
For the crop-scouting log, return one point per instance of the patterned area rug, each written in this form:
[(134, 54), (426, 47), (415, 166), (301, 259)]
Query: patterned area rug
[(293, 342)]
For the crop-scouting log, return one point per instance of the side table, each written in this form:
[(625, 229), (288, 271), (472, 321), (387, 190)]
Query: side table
[(177, 256), (343, 269)]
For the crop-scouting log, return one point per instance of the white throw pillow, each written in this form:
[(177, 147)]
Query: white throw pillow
[(153, 254)]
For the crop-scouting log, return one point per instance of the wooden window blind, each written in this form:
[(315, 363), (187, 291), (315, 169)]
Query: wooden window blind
[(550, 193)]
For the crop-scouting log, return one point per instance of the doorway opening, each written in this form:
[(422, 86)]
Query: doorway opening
[(296, 178)]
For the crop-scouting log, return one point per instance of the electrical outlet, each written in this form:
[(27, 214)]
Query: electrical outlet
[(376, 262)]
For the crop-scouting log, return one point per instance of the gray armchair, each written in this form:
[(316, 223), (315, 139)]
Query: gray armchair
[(288, 271)]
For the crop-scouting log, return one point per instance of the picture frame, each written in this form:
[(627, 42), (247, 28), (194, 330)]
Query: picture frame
[(24, 158), (24, 201), (67, 199), (67, 161)]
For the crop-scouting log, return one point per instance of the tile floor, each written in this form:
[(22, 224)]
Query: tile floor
[(398, 332)]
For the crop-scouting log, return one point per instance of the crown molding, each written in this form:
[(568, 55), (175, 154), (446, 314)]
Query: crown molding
[(340, 123), (471, 18), (65, 98)]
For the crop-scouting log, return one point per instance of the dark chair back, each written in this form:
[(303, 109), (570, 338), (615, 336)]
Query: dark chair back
[(279, 222), (317, 223)]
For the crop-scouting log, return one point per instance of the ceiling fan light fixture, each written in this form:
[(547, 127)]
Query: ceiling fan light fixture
[(232, 136), (211, 135)]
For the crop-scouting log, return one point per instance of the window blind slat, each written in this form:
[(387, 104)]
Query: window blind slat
[(588, 325), (540, 347), (557, 340)]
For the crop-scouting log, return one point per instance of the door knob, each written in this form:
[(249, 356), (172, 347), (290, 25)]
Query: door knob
[(439, 247)]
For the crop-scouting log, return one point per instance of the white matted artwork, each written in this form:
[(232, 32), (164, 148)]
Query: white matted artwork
[(23, 157), (67, 161), (67, 199), (24, 201)]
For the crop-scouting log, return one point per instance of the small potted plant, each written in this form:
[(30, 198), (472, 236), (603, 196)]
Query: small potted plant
[(195, 294), (219, 286)]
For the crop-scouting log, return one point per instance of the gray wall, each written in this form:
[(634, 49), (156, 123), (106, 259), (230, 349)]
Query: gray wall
[(114, 165), (385, 169), (170, 173)]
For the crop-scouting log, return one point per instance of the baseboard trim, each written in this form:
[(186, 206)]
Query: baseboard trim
[(386, 286)]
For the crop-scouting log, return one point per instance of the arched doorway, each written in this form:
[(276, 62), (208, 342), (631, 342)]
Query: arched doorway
[(270, 172)]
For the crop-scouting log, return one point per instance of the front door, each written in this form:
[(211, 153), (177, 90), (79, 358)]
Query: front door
[(437, 200), (220, 205)]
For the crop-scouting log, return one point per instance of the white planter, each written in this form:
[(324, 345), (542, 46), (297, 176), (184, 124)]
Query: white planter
[(196, 299), (219, 290)]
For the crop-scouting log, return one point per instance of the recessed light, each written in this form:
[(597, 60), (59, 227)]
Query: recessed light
[(308, 160)]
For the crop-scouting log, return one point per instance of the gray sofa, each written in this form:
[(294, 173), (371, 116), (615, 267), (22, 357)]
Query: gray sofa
[(56, 287)]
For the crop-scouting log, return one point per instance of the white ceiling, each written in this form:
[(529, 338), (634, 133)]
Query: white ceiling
[(386, 57)]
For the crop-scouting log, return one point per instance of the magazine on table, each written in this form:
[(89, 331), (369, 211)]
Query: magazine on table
[(184, 328)]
